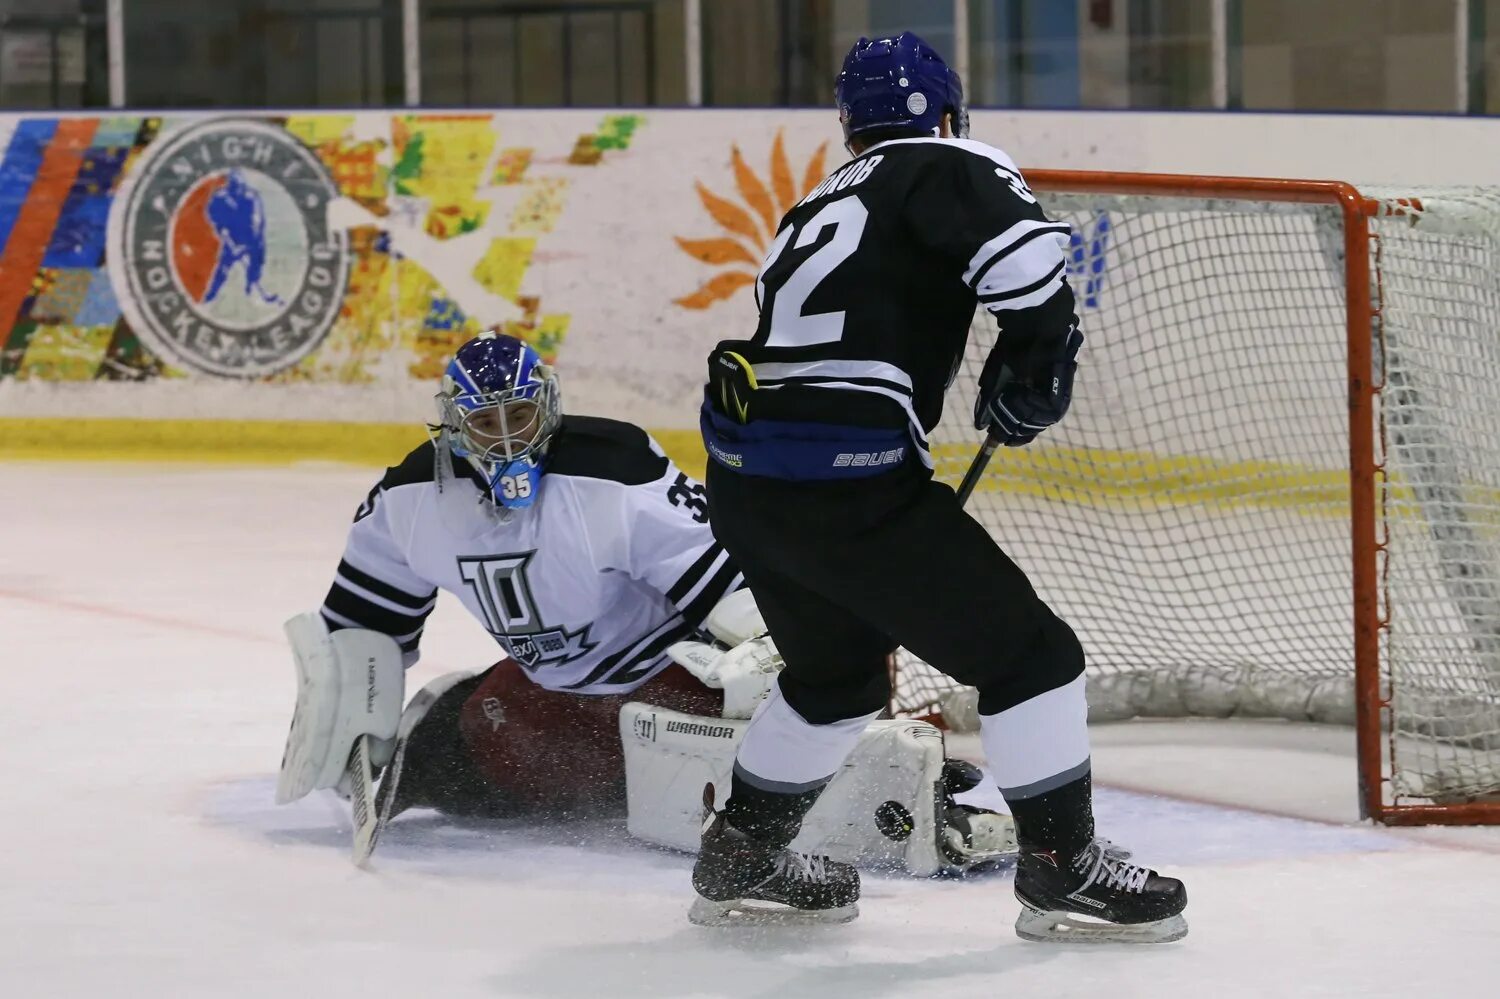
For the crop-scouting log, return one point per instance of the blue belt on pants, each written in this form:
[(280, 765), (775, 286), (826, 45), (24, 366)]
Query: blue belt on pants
[(785, 449)]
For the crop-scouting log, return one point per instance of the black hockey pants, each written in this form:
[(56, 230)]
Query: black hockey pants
[(845, 571)]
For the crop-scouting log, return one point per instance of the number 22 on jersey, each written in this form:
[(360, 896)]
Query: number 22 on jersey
[(790, 326)]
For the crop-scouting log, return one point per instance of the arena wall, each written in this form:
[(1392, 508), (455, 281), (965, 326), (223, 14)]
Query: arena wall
[(282, 287)]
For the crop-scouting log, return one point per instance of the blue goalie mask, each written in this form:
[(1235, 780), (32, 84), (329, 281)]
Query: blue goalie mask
[(498, 410), (898, 83)]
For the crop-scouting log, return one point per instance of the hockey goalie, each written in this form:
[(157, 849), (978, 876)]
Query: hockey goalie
[(633, 659)]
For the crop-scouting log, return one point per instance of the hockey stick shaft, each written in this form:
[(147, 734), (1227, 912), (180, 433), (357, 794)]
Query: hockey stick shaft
[(976, 468)]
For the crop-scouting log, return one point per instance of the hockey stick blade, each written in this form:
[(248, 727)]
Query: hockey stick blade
[(976, 468)]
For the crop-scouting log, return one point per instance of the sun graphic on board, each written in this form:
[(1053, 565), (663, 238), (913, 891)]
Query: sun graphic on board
[(750, 226)]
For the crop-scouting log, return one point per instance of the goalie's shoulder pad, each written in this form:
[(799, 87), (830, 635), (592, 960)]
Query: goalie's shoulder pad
[(593, 447)]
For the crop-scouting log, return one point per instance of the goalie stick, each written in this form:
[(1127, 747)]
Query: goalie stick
[(374, 809), (362, 800)]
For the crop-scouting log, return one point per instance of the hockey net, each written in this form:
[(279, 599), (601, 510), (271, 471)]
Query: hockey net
[(1277, 493)]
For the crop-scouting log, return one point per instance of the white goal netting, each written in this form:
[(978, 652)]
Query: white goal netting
[(1191, 516)]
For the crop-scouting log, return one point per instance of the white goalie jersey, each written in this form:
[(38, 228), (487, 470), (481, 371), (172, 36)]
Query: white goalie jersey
[(586, 589)]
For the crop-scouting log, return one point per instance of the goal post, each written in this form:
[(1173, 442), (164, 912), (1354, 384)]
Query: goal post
[(1277, 493)]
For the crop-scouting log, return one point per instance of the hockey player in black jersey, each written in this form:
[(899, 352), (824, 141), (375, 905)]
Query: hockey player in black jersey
[(590, 559), (820, 485)]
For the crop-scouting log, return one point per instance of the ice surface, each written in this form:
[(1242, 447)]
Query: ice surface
[(146, 699)]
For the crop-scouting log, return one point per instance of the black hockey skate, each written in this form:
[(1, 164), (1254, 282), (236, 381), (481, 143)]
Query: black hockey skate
[(741, 880), (1097, 897)]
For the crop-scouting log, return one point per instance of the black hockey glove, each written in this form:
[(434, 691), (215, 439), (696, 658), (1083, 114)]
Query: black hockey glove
[(1016, 405)]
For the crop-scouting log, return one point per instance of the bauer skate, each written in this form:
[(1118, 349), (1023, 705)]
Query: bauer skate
[(741, 880), (1097, 897)]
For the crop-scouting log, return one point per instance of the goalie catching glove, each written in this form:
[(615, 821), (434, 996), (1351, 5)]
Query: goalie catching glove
[(742, 662)]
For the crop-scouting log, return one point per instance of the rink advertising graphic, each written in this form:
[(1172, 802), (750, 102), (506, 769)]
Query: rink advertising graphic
[(59, 316), (748, 227), (353, 249), (282, 287), (222, 256), (285, 286)]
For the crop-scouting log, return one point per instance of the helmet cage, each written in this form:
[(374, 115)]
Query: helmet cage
[(504, 434)]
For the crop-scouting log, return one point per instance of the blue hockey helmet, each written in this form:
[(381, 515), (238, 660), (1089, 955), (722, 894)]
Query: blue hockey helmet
[(898, 83), (498, 409)]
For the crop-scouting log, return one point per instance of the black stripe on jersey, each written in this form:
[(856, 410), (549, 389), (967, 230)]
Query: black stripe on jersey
[(642, 650), (381, 588), (638, 670), (409, 645), (1024, 290), (368, 614), (695, 572), (419, 467), (1010, 248), (723, 581)]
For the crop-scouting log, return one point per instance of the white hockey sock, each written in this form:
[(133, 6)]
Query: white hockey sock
[(785, 754), (1040, 744)]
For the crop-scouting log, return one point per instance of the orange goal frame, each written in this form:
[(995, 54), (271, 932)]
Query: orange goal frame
[(1375, 734)]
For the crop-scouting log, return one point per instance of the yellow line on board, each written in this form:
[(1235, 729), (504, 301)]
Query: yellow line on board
[(1085, 476), (1090, 475), (246, 442), (239, 442)]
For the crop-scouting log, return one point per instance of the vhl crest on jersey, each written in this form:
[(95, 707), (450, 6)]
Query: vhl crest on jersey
[(510, 612)]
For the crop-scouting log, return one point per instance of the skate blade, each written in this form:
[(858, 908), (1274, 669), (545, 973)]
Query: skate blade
[(751, 912), (1056, 926)]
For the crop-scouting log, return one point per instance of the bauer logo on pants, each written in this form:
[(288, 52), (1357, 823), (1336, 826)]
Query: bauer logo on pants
[(220, 251)]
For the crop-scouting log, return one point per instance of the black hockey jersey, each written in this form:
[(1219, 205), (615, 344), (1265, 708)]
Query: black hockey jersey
[(873, 279), (586, 588)]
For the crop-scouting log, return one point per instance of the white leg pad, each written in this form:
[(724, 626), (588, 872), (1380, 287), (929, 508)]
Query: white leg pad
[(671, 756), (350, 683)]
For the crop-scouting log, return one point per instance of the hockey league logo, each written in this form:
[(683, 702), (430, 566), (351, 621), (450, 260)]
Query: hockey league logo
[(510, 612), (220, 250)]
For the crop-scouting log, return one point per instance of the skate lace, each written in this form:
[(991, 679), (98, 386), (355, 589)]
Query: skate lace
[(802, 867), (1104, 863)]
